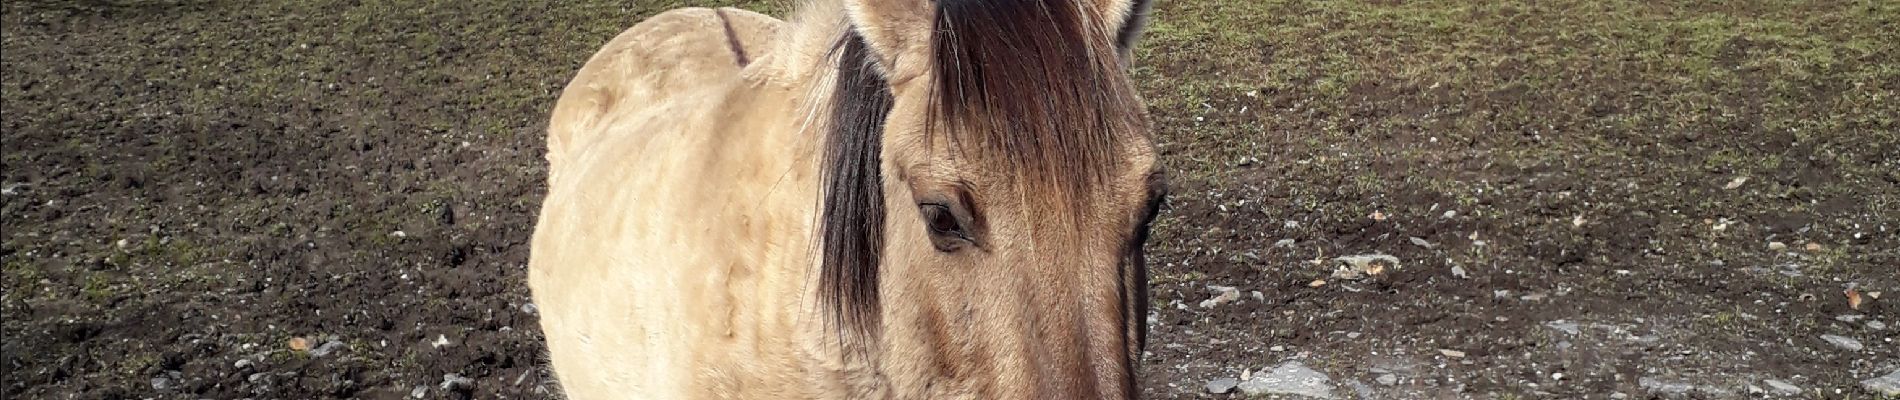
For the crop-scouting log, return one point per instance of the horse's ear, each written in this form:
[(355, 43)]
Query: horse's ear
[(893, 29), (1133, 15)]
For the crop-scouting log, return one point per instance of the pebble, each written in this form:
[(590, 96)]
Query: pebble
[(1277, 349), (419, 392), (1886, 386), (243, 363), (1285, 243), (1459, 272), (1654, 385), (1782, 387), (1452, 353), (1619, 396), (1360, 388), (1849, 318), (1876, 325), (1290, 378), (328, 348), (1222, 385), (1421, 242), (455, 383), (1569, 327), (1388, 379), (440, 340), (1777, 246), (1843, 342), (1224, 295), (529, 308)]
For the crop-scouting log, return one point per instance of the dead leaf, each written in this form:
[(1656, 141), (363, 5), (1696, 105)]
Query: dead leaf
[(1853, 299), (1452, 353), (1317, 283), (1375, 269), (1378, 216), (1735, 183), (299, 344), (1814, 247), (1874, 295)]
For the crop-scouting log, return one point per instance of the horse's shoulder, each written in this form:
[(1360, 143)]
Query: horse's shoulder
[(681, 52)]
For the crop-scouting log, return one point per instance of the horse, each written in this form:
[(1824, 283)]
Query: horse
[(874, 199)]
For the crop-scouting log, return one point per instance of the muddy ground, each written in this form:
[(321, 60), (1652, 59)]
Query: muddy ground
[(1585, 199)]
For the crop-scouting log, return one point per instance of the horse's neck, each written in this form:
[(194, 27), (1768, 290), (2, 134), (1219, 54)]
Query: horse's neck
[(796, 76)]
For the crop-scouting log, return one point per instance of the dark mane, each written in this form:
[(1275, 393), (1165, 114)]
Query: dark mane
[(1028, 85), (851, 223), (1031, 85)]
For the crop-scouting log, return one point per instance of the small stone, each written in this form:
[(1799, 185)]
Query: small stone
[(1360, 388), (1277, 349), (1452, 353), (328, 348), (398, 234), (1876, 325), (1557, 376), (1735, 183), (1290, 378), (419, 392), (530, 309), (1569, 327), (1459, 272), (1388, 379), (244, 363), (1352, 335), (1850, 318), (1284, 243), (299, 344), (1420, 242), (1782, 387), (456, 383), (1813, 247), (440, 341), (1223, 295), (1777, 246), (253, 378), (162, 383), (1222, 385), (1657, 386), (1886, 386), (1843, 342), (1619, 396)]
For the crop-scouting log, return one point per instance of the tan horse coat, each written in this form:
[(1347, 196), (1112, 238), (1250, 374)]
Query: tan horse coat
[(665, 128), (675, 252)]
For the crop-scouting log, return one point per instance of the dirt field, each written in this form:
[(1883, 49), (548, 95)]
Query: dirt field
[(1586, 199)]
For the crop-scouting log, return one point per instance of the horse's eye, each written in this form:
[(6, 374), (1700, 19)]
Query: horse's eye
[(946, 232), (941, 220)]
